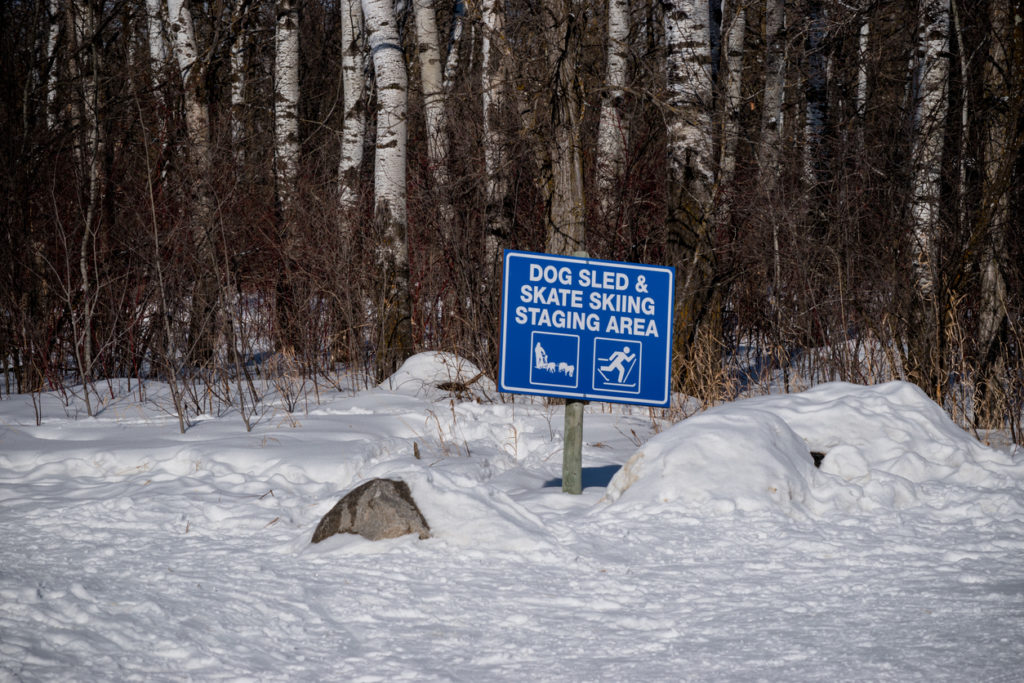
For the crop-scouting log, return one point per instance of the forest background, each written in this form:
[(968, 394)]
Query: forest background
[(211, 192)]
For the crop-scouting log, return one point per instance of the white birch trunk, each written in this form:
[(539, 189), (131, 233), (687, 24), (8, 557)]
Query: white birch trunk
[(353, 104), (238, 76), (691, 179), (690, 150), (612, 134), (202, 323), (433, 95), (394, 339), (451, 65), (815, 96), (774, 89), (185, 50), (493, 73), (392, 88), (735, 35), (286, 102), (863, 42), (931, 76), (155, 39), (183, 36), (53, 13), (770, 144)]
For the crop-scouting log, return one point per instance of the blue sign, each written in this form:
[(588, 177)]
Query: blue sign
[(587, 329)]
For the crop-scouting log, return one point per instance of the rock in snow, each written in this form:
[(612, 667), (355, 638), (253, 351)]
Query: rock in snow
[(380, 508)]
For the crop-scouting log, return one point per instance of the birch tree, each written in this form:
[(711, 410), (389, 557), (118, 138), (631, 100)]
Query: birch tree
[(735, 20), (53, 35), (815, 95), (612, 131), (394, 308), (203, 319), (353, 104), (286, 101), (564, 189), (155, 39), (451, 62), (690, 175), (432, 82), (930, 82), (239, 29), (286, 163), (769, 145), (863, 43), (494, 80), (769, 148)]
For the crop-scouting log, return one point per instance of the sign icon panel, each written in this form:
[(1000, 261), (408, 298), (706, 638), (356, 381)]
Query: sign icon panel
[(586, 328), (617, 365), (555, 359)]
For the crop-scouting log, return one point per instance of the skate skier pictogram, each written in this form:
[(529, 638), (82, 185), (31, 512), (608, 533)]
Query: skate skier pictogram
[(616, 361)]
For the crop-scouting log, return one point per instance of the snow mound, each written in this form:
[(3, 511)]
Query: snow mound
[(436, 372), (724, 460), (886, 447), (890, 447), (466, 513)]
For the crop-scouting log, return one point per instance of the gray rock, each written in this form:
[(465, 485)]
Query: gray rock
[(380, 508)]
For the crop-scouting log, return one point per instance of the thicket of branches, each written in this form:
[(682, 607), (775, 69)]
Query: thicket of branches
[(831, 237)]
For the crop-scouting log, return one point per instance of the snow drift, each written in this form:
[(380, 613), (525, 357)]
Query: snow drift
[(885, 447)]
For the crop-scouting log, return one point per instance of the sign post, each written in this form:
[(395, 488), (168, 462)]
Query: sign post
[(585, 330), (572, 438)]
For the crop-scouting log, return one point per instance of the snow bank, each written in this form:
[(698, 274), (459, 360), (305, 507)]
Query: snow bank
[(460, 511), (739, 458), (886, 447), (436, 372)]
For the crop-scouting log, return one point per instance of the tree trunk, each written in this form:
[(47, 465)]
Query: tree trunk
[(155, 39), (353, 104), (863, 43), (769, 147), (735, 35), (286, 102), (930, 82), (394, 306), (53, 14), (451, 63), (433, 102), (612, 132), (1004, 82), (816, 98), (769, 150), (494, 73), (565, 224), (286, 169), (238, 76), (690, 186), (203, 323)]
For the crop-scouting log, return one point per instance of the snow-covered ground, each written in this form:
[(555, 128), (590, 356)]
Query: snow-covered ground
[(719, 552)]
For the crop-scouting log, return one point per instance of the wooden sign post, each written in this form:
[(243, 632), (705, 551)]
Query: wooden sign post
[(572, 449)]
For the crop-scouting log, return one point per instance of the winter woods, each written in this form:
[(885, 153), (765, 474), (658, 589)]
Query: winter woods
[(838, 184)]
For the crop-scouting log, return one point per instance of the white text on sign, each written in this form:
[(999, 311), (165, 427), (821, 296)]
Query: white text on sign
[(613, 296)]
